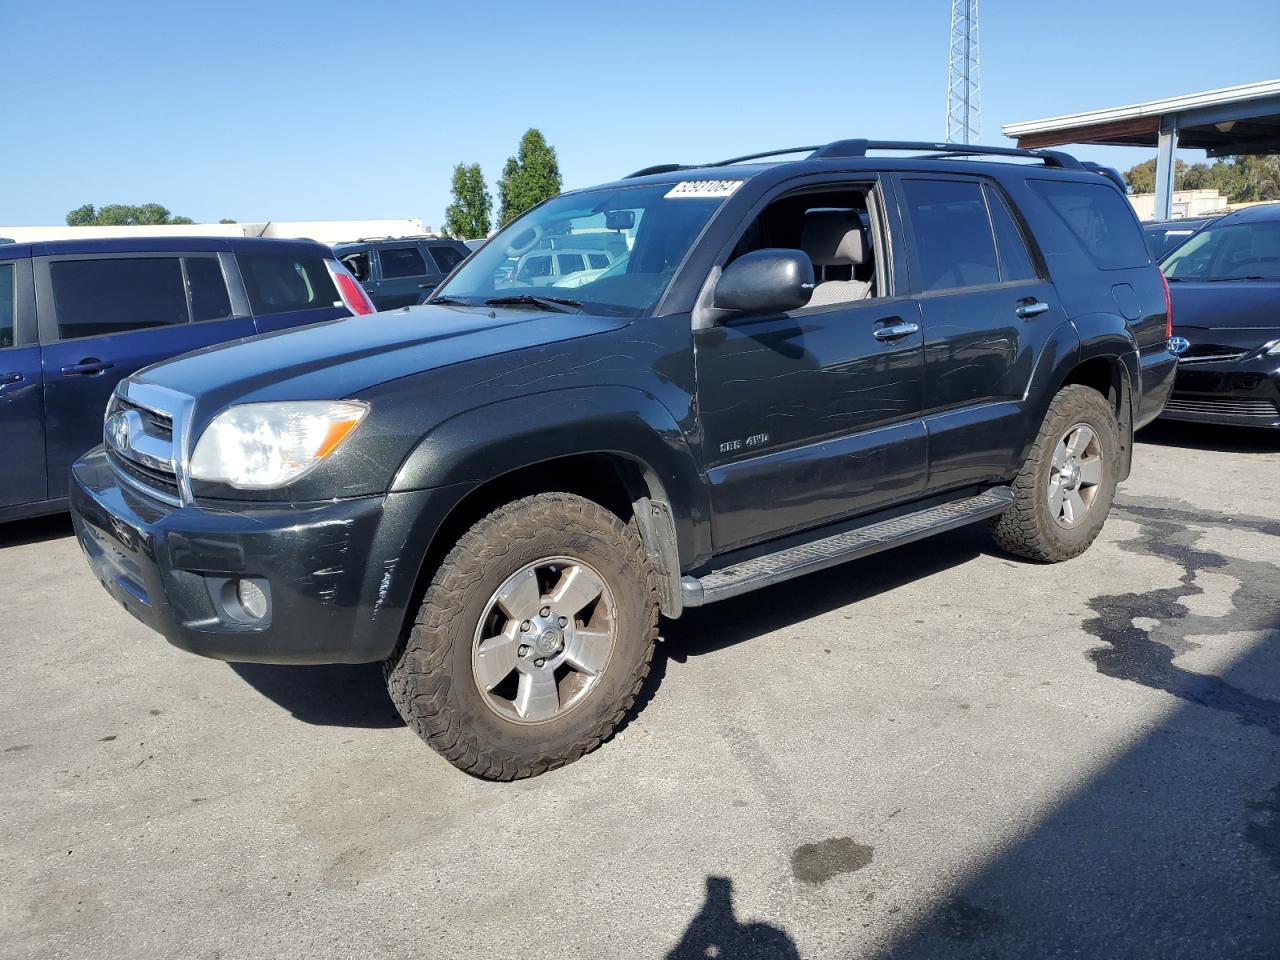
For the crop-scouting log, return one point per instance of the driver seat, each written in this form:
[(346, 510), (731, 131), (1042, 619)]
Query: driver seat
[(836, 238)]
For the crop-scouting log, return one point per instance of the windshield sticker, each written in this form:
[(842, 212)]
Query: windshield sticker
[(702, 189)]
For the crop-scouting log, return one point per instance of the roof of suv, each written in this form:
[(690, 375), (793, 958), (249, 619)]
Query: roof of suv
[(1259, 213), (58, 248)]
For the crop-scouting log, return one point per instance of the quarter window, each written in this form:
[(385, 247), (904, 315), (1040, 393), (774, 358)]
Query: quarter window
[(279, 284), (401, 262), (8, 305), (598, 261), (1015, 262), (1099, 218), (358, 264), (207, 289), (114, 295), (953, 241)]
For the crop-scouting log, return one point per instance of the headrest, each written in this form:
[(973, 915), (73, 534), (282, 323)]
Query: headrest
[(834, 238)]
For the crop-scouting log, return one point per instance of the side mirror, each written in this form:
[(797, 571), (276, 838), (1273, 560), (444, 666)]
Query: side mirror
[(765, 281), (619, 219)]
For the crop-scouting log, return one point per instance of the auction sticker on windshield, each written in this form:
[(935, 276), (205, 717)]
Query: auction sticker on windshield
[(704, 188)]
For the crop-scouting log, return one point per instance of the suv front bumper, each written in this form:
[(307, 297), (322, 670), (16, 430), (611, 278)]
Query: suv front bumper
[(340, 574)]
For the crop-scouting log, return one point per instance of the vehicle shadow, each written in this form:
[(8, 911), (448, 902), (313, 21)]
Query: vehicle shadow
[(1207, 436), (331, 695), (36, 530)]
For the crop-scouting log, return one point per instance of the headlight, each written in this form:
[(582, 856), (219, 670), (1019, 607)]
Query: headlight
[(1272, 349), (259, 446)]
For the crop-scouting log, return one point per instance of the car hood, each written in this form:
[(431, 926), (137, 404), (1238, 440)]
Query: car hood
[(1226, 304), (343, 357)]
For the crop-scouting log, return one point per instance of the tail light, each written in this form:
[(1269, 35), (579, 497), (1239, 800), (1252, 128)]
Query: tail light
[(1168, 307), (353, 295)]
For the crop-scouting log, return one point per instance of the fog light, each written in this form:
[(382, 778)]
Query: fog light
[(252, 598)]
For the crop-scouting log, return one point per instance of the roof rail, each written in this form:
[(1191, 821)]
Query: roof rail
[(859, 148)]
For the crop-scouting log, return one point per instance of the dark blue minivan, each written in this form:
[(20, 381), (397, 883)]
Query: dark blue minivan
[(77, 316)]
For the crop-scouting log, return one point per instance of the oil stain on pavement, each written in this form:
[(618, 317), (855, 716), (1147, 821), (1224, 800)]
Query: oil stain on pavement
[(1146, 656), (818, 862)]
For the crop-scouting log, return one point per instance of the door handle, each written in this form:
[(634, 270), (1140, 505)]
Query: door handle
[(89, 367), (8, 378), (428, 286), (1030, 307), (895, 329)]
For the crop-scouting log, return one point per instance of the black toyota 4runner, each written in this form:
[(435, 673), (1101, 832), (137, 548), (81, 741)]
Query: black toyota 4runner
[(785, 365)]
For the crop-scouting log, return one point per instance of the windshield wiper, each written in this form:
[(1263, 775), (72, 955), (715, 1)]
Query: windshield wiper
[(456, 301), (1252, 276), (559, 304)]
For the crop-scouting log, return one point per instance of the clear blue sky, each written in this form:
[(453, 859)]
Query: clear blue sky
[(284, 109)]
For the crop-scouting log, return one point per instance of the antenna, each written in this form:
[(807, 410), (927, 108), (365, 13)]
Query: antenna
[(964, 116)]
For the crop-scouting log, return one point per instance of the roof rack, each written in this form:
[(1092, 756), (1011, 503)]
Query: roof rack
[(858, 148)]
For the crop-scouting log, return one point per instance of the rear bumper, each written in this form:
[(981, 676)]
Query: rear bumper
[(340, 574), (1243, 393)]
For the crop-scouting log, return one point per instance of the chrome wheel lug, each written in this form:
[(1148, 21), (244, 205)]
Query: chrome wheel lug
[(563, 621), (526, 626), (544, 612), (539, 662), (523, 651)]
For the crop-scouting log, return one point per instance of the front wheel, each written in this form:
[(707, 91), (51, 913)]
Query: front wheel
[(1063, 493), (533, 638)]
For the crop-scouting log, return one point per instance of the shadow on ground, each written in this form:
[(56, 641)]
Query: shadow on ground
[(1208, 436), (332, 695), (715, 931), (35, 530), (1173, 850)]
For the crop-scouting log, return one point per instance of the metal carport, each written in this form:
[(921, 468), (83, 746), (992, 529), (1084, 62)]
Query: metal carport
[(1226, 122)]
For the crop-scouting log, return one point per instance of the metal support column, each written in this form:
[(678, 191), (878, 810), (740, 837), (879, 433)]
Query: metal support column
[(1166, 166)]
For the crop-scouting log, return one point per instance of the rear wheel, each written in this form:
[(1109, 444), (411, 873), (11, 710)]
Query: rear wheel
[(1063, 494), (532, 639)]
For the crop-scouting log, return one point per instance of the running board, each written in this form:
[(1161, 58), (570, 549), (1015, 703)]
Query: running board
[(795, 561)]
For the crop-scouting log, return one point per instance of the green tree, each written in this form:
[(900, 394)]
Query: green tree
[(122, 215), (1239, 179), (531, 176), (469, 216)]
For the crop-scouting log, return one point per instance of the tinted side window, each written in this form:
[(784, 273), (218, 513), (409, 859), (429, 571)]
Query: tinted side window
[(1015, 262), (446, 258), (598, 261), (277, 284), (1100, 218), (97, 297), (570, 263), (401, 262), (208, 289), (8, 305), (954, 247)]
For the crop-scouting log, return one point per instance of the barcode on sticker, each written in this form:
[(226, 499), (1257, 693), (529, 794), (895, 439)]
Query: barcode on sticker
[(704, 188)]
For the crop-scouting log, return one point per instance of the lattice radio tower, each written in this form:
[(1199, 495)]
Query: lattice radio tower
[(964, 115)]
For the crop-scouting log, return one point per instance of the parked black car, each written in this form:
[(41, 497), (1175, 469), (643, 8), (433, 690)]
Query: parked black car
[(401, 272), (1225, 283), (76, 316), (1163, 235), (497, 493)]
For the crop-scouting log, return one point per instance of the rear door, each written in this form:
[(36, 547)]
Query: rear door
[(22, 470), (404, 274), (289, 289), (103, 318), (987, 308)]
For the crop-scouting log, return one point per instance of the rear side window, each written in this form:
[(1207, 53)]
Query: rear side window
[(598, 261), (401, 262), (358, 264), (570, 263), (1099, 218), (114, 295), (8, 305), (278, 284), (207, 289), (447, 258), (954, 246), (1015, 262)]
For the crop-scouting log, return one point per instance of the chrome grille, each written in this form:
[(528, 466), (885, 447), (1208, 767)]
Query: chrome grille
[(1236, 406), (143, 435), (1210, 356)]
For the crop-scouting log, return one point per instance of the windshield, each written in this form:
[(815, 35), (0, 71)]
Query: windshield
[(1232, 252), (607, 251)]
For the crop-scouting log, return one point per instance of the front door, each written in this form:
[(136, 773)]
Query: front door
[(22, 471), (104, 318)]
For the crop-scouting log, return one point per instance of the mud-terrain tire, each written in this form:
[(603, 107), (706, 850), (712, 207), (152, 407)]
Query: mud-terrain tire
[(1045, 522), (560, 546)]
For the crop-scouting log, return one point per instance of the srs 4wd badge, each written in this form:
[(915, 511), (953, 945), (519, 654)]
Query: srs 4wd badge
[(755, 440)]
